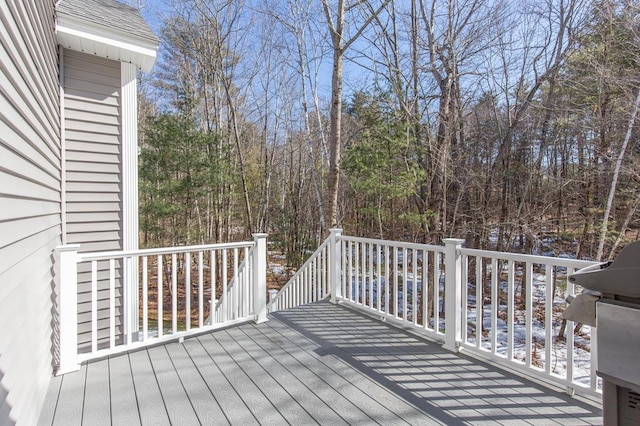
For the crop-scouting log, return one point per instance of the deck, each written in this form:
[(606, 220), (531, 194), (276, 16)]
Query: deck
[(315, 364)]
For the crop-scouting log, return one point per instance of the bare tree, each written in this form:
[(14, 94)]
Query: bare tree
[(341, 40), (296, 19), (629, 18), (614, 180)]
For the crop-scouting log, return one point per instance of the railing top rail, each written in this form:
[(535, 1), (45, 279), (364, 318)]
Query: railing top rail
[(104, 255), (532, 258), (416, 246)]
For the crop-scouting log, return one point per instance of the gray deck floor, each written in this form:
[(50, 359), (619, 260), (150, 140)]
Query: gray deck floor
[(316, 364)]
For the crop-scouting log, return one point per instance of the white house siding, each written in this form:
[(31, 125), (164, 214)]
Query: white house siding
[(93, 141), (30, 221)]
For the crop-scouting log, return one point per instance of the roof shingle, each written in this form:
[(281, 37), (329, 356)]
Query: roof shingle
[(108, 13)]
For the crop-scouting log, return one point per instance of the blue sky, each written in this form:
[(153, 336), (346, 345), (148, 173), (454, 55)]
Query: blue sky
[(156, 11), (153, 12)]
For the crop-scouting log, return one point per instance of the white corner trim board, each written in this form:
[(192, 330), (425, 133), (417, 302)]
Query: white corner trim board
[(129, 103), (129, 119)]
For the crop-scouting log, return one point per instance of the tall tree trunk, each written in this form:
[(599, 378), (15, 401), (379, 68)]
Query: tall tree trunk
[(309, 143), (614, 180), (335, 132), (335, 135), (340, 45)]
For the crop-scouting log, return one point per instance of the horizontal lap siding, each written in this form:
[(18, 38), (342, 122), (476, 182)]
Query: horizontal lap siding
[(93, 178), (30, 222)]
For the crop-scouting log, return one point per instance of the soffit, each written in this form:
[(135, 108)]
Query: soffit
[(108, 29)]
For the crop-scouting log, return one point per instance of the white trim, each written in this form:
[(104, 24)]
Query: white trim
[(63, 151), (129, 116), (77, 34)]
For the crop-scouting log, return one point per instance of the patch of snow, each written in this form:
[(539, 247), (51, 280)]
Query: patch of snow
[(278, 269)]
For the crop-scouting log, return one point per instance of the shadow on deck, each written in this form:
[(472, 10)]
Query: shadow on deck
[(315, 364)]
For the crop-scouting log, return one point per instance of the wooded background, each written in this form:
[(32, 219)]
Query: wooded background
[(508, 123)]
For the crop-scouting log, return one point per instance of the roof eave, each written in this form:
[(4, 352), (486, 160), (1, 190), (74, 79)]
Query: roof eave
[(84, 36)]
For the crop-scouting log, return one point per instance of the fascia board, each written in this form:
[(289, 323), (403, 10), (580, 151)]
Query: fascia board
[(77, 34)]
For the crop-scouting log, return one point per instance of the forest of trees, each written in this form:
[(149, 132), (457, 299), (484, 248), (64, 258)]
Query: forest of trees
[(508, 123)]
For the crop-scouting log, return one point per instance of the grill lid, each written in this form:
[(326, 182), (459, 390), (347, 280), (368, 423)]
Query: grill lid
[(620, 277)]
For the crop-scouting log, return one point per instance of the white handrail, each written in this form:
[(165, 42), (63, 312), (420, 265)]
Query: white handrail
[(97, 317), (548, 260), (105, 255), (504, 307)]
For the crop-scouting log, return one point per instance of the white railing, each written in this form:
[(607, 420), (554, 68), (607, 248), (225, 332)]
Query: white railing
[(236, 298), (110, 302), (502, 307), (400, 281), (433, 290), (309, 284), (512, 312)]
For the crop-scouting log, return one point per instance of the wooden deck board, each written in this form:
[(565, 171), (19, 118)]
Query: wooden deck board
[(316, 364), (51, 400), (322, 402), (257, 402), (371, 393), (175, 398), (71, 399), (123, 393), (232, 405), (201, 397), (349, 384), (150, 402), (313, 373), (288, 405), (97, 391)]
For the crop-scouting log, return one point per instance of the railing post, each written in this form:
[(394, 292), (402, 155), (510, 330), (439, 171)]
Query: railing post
[(260, 277), (273, 304), (335, 259), (67, 289), (453, 294)]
